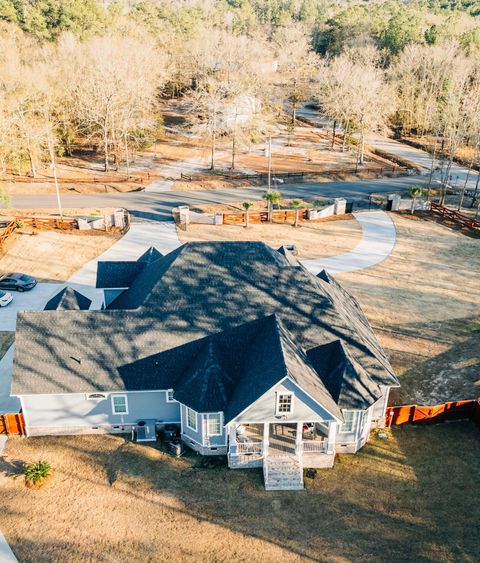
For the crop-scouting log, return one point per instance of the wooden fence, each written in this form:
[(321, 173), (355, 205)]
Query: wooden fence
[(7, 232), (85, 180), (420, 414), (12, 424), (455, 216), (66, 224), (382, 171), (256, 217)]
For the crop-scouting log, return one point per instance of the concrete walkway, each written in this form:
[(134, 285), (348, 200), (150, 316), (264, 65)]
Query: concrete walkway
[(141, 236), (6, 554), (378, 240)]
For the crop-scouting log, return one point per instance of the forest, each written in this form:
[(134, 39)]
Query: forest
[(90, 72)]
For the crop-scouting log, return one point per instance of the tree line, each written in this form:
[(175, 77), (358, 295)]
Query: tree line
[(96, 72)]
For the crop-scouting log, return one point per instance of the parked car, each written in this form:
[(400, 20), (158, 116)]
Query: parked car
[(5, 298), (18, 282)]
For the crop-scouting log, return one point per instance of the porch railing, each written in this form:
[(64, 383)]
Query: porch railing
[(249, 447), (314, 446)]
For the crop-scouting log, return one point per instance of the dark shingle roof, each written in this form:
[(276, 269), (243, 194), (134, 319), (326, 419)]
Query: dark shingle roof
[(198, 290), (115, 274), (68, 299), (348, 383)]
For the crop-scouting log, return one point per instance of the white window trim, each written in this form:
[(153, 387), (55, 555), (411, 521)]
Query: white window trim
[(166, 396), (219, 414), (195, 429), (353, 413), (113, 404), (277, 402)]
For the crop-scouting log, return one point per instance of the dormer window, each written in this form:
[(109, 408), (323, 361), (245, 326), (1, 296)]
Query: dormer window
[(284, 403)]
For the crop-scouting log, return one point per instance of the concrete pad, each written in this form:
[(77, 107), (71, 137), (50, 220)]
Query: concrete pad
[(6, 553), (7, 403), (378, 240)]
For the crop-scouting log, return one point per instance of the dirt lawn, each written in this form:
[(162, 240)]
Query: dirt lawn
[(401, 499), (53, 255), (313, 240), (423, 302)]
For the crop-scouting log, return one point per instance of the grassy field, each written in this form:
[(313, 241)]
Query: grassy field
[(52, 255), (423, 304), (313, 240), (411, 497)]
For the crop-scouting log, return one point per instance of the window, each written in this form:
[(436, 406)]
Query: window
[(191, 419), (213, 425), (284, 403), (347, 426), (119, 404), (170, 398)]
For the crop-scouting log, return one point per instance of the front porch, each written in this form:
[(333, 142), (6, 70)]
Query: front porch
[(313, 444)]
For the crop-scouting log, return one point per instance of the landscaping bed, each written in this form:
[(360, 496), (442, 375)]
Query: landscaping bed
[(113, 500)]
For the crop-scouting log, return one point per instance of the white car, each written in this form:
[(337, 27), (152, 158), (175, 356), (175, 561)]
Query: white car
[(5, 298)]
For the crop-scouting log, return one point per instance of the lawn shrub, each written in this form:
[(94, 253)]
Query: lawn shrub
[(36, 474)]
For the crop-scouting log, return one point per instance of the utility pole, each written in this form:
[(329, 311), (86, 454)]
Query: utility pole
[(268, 154), (476, 190), (432, 168), (54, 168)]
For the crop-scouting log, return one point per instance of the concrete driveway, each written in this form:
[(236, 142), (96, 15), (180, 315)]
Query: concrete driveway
[(378, 240), (33, 300)]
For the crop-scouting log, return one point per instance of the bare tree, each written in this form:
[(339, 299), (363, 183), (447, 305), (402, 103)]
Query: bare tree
[(355, 94), (115, 86)]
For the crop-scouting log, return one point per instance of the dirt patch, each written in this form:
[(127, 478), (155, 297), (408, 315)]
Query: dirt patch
[(113, 500), (423, 304), (52, 255), (313, 239)]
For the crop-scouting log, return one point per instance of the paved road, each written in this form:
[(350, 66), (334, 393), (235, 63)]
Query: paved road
[(157, 206), (458, 173)]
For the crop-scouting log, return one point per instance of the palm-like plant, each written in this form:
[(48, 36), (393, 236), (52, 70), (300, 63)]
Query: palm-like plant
[(297, 203), (37, 473), (246, 205), (271, 197), (415, 191)]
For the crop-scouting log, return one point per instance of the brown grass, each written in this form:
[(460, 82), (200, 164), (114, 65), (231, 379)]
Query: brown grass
[(423, 303), (52, 255), (313, 240), (413, 497)]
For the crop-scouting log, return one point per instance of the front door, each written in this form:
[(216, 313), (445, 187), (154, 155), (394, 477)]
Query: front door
[(282, 438)]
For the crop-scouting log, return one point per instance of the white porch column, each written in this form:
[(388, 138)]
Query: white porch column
[(232, 439), (332, 435), (266, 434), (299, 438)]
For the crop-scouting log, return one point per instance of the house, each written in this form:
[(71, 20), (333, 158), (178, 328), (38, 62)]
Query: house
[(251, 355)]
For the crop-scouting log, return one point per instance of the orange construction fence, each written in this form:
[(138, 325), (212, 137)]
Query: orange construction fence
[(421, 414)]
